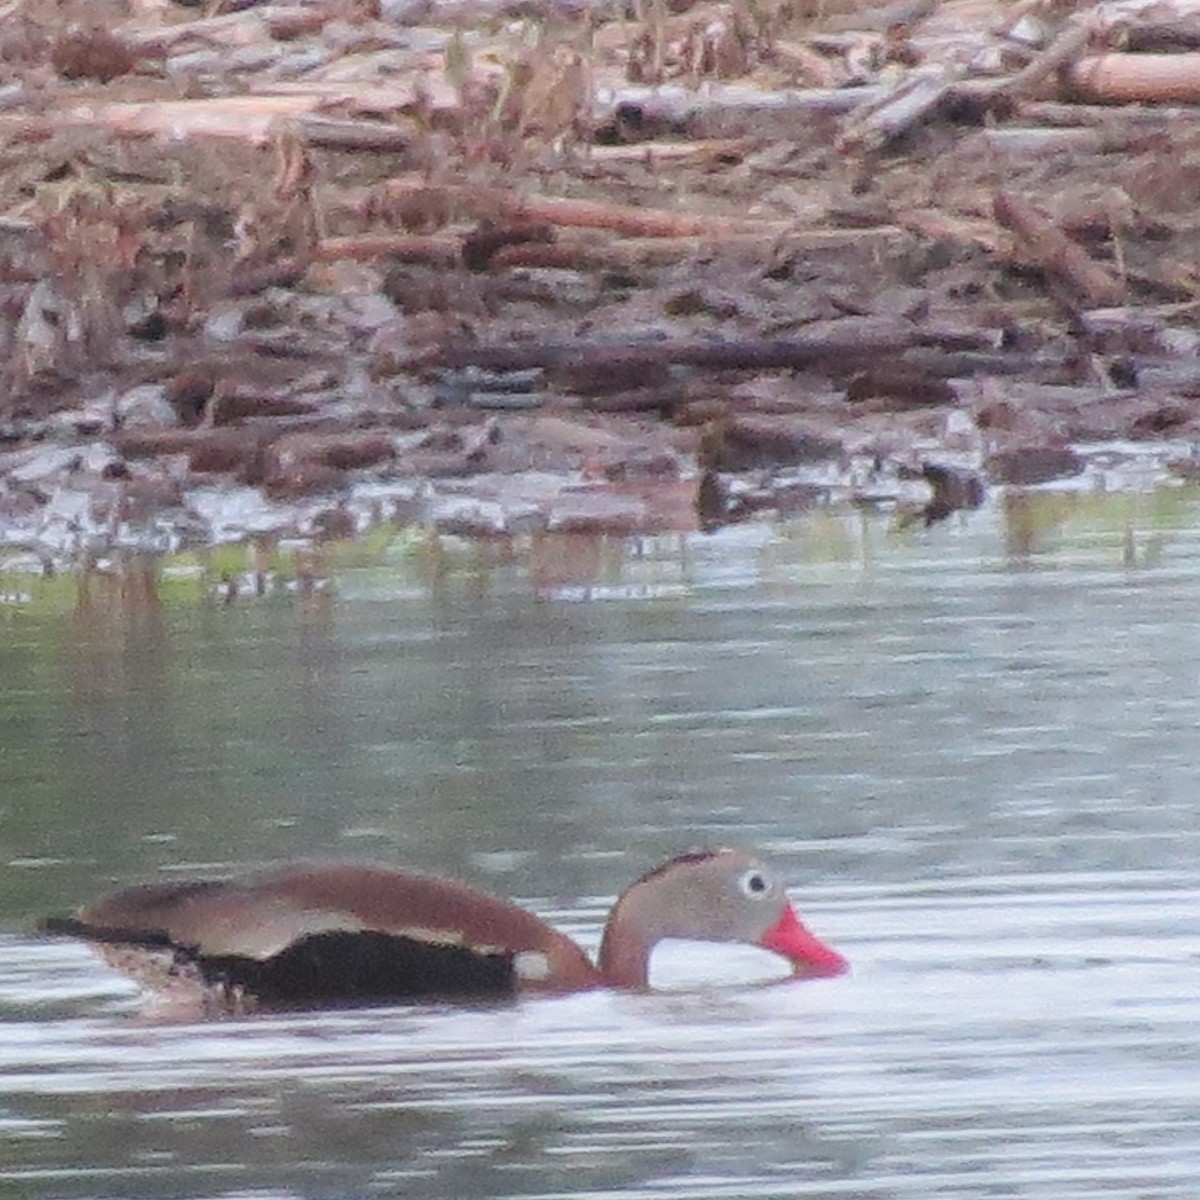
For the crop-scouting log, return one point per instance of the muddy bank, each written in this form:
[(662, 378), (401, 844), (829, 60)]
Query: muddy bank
[(302, 268)]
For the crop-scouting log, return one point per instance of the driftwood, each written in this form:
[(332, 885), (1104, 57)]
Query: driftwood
[(579, 358), (693, 150), (639, 253), (928, 91), (359, 135), (1164, 36), (1137, 78), (846, 346), (1063, 259), (1066, 48), (721, 110), (917, 98), (1034, 142), (593, 253), (499, 205)]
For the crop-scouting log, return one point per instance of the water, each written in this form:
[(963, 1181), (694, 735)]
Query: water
[(969, 751)]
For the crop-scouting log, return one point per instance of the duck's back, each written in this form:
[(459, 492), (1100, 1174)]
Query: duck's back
[(362, 928)]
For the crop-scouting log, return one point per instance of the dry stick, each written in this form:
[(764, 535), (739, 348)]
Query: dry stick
[(940, 226), (1057, 254), (364, 135), (590, 214), (919, 96), (1072, 40), (655, 152)]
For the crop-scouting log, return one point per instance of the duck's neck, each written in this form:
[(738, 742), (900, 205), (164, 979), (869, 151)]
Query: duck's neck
[(629, 937)]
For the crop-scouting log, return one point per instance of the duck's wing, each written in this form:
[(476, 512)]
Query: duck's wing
[(448, 936)]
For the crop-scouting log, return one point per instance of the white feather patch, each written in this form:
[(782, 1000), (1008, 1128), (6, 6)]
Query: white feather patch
[(532, 965)]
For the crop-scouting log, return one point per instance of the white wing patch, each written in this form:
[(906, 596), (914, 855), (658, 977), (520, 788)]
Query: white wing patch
[(532, 966), (431, 937)]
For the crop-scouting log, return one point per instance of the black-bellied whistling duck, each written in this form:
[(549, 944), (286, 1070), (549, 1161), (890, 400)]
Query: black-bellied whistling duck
[(311, 935)]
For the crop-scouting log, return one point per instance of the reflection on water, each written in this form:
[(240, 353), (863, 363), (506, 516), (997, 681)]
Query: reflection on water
[(970, 750)]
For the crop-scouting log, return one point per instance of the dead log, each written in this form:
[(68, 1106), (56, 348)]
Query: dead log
[(856, 348), (915, 100), (500, 205), (591, 254), (1066, 48), (1161, 36), (722, 110), (1062, 259), (360, 136), (1137, 78)]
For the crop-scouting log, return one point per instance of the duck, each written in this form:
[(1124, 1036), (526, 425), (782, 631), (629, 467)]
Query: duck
[(311, 935)]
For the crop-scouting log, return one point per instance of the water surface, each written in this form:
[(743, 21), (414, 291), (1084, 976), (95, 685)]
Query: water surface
[(970, 751)]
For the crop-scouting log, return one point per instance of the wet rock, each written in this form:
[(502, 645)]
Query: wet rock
[(1029, 465), (954, 489)]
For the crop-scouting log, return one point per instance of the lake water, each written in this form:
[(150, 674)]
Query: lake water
[(970, 750)]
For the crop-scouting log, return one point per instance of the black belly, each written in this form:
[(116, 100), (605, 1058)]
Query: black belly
[(336, 968), (357, 968)]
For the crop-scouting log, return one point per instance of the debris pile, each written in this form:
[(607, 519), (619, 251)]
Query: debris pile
[(522, 264)]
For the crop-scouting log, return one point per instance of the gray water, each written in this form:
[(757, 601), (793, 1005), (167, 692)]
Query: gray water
[(969, 750)]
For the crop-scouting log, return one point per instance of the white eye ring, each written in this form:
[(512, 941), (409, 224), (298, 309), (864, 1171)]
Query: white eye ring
[(754, 884)]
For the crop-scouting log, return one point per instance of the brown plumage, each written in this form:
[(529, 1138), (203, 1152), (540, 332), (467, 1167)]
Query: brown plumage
[(308, 934)]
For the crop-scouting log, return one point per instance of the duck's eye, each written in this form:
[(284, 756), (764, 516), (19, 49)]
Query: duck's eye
[(754, 883)]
